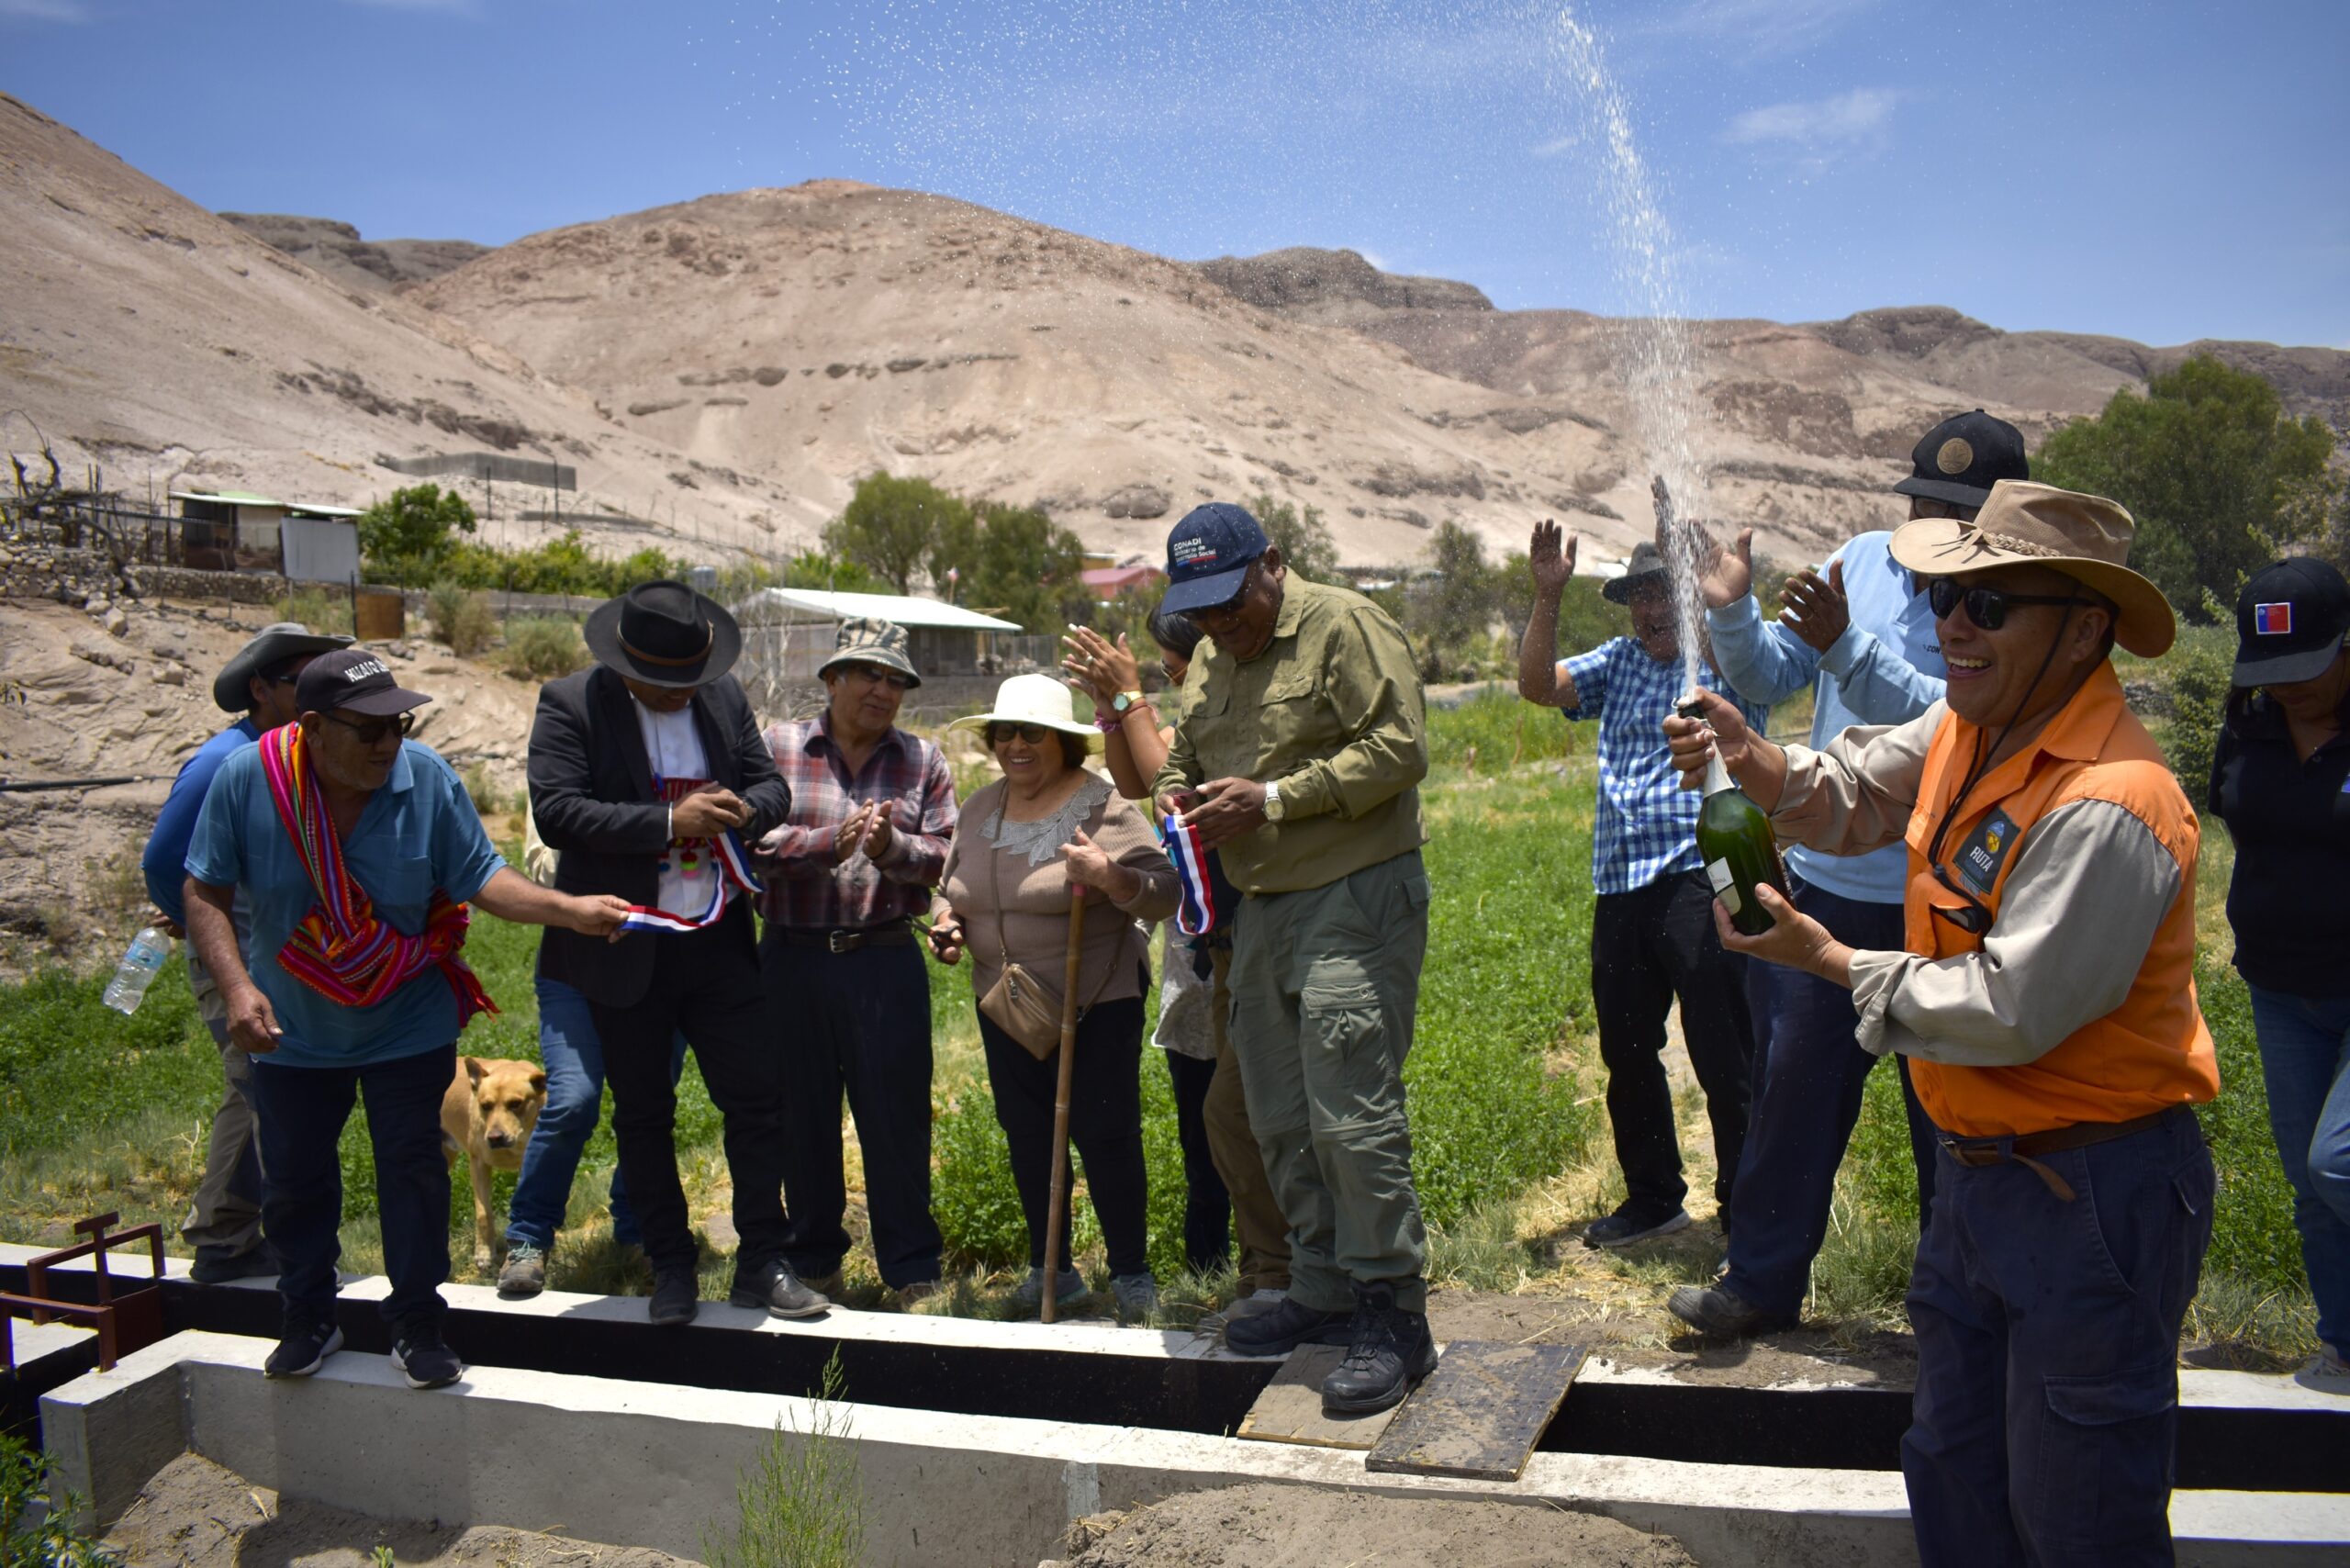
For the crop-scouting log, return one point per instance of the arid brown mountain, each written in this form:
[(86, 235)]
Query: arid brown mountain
[(337, 252)]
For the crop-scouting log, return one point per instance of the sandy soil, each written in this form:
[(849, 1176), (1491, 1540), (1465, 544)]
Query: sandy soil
[(194, 1514), (1561, 1316), (1289, 1527)]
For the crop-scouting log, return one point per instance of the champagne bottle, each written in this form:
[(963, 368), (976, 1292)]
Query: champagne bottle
[(1739, 850)]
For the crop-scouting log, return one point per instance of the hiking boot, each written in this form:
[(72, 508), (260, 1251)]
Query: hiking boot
[(1283, 1328), (424, 1358), (1388, 1350), (777, 1289), (303, 1350), (1250, 1305), (1723, 1314), (525, 1273), (1628, 1225), (217, 1265), (1030, 1292), (920, 1291), (1136, 1297), (676, 1296)]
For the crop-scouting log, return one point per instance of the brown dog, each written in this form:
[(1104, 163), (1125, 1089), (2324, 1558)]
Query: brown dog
[(486, 1115)]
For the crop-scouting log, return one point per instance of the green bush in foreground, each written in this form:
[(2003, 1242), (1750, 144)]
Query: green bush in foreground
[(36, 1526)]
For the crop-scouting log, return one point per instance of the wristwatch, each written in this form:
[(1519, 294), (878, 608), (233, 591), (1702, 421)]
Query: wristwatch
[(1124, 701), (1272, 799)]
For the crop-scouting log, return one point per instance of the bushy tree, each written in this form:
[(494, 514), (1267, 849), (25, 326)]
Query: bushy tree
[(408, 537), (892, 526), (823, 570), (1451, 608), (1302, 536), (1023, 566), (2219, 478)]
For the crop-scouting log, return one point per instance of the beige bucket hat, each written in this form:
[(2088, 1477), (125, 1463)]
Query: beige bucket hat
[(1034, 699), (2028, 524)]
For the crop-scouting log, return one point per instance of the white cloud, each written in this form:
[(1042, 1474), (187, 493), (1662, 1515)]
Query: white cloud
[(1860, 115), (44, 10), (1557, 147)]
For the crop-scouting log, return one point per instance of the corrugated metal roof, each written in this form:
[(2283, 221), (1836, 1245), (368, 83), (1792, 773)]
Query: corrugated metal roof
[(899, 608), (307, 508), (231, 498)]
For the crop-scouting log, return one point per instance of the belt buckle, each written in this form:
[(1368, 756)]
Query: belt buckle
[(840, 941)]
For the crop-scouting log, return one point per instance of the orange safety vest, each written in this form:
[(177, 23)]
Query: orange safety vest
[(2152, 1052)]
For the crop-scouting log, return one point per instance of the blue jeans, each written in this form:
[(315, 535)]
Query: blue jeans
[(2305, 1059), (574, 1059), (2047, 1414), (1809, 1075)]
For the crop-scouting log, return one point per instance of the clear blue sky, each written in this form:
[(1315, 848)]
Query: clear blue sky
[(2159, 171)]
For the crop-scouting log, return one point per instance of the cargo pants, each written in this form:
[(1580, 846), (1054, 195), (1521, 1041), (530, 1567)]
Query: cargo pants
[(1325, 983)]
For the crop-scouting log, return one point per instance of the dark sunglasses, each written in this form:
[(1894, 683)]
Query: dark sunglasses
[(874, 673), (370, 731), (1033, 733), (1986, 607)]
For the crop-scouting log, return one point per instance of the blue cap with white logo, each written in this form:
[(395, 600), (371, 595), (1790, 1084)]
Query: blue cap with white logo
[(1208, 555)]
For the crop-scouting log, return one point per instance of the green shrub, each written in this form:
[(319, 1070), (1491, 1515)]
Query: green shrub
[(804, 1505), (545, 647), (38, 1526), (461, 618), (2198, 673)]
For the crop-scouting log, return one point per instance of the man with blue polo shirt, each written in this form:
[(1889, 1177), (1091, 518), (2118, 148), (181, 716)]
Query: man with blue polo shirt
[(1861, 633), (355, 852), (1652, 936)]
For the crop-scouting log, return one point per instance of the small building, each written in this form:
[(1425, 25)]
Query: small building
[(229, 531), (1109, 583), (788, 633)]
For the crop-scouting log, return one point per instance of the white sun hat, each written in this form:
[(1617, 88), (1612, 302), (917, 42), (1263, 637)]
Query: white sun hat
[(1034, 699)]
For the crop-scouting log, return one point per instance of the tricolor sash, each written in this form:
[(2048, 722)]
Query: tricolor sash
[(733, 863), (1197, 914), (341, 950)]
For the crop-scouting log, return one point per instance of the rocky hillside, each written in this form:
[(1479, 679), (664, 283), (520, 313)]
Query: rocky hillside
[(336, 250)]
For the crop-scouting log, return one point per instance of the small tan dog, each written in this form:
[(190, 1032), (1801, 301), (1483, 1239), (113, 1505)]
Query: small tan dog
[(486, 1115)]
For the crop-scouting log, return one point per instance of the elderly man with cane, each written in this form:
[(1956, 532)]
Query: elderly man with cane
[(2045, 998)]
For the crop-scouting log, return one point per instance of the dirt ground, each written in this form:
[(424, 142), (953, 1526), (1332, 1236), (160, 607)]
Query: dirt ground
[(194, 1514), (1290, 1527), (1794, 1355)]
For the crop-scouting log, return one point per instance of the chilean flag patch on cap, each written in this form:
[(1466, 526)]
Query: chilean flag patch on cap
[(2273, 620)]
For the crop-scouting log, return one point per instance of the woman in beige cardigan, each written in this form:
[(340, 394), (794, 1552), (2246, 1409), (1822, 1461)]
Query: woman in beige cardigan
[(1047, 825)]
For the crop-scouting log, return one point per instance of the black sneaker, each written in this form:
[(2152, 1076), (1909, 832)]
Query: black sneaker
[(777, 1289), (1626, 1225), (1388, 1350), (676, 1296), (1283, 1329), (1725, 1315), (217, 1265), (424, 1358), (303, 1350)]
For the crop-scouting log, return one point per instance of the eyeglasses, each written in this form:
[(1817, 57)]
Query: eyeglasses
[(875, 674), (1033, 733), (373, 731), (1923, 507), (1986, 607)]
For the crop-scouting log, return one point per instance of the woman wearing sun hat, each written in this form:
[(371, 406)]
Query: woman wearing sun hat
[(1050, 823), (2045, 997), (2280, 779)]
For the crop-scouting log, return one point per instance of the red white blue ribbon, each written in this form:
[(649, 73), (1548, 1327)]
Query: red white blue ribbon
[(1197, 914), (734, 868)]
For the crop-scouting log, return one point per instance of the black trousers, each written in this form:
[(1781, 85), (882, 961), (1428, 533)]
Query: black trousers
[(706, 987), (1207, 1207), (1105, 1123), (857, 1025), (1648, 947)]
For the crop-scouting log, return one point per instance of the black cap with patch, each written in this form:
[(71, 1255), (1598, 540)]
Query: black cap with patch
[(1960, 459), (2291, 619), (352, 680)]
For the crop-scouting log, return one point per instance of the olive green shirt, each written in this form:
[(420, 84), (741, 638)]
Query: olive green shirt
[(1332, 710)]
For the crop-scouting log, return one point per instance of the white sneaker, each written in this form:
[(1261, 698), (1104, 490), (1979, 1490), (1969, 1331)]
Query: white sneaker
[(2327, 1372)]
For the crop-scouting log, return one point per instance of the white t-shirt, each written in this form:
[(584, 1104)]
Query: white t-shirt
[(673, 745)]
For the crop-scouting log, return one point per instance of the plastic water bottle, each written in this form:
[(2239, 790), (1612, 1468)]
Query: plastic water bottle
[(138, 969)]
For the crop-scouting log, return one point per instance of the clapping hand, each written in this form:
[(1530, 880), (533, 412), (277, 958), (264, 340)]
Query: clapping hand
[(1815, 607)]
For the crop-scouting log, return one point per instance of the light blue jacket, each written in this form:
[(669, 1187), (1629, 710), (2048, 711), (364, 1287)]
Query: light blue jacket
[(1886, 669)]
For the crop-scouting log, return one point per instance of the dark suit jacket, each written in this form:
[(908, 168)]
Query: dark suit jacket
[(591, 791)]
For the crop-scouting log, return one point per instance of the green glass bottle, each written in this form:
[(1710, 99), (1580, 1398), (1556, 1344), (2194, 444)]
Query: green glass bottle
[(1739, 850)]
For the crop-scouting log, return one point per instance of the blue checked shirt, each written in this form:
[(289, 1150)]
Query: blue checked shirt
[(1647, 824)]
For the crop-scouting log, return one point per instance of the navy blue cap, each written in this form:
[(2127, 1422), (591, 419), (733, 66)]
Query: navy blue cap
[(1208, 554), (1960, 459)]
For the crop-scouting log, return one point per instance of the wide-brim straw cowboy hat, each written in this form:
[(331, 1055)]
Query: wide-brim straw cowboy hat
[(664, 633), (1034, 699), (2030, 524)]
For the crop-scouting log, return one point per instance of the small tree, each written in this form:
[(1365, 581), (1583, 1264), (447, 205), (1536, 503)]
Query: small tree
[(1452, 606), (407, 538), (823, 570), (1027, 566), (1302, 536), (892, 526)]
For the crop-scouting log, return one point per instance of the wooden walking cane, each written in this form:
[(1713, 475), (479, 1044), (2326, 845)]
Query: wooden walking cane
[(1059, 1190)]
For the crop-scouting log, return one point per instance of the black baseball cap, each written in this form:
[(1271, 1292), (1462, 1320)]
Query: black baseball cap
[(1960, 459), (352, 680), (1208, 554), (2289, 621)]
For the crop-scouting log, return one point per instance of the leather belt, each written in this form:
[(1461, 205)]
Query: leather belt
[(1978, 1152), (849, 939)]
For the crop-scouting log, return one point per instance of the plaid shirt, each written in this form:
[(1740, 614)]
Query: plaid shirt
[(805, 887), (1646, 824)]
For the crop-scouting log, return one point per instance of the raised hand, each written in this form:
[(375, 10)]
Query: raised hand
[(1097, 668), (1815, 607), (1724, 577), (1552, 557)]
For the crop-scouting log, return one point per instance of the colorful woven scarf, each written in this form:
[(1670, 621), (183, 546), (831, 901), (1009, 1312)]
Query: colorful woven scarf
[(341, 949)]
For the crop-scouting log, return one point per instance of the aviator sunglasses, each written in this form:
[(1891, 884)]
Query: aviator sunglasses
[(1986, 607)]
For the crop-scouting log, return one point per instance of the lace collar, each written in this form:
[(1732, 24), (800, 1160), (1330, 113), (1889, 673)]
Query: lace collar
[(1041, 840)]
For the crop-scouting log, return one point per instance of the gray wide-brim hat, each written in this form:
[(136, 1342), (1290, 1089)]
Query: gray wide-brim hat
[(1645, 569), (233, 687), (869, 639)]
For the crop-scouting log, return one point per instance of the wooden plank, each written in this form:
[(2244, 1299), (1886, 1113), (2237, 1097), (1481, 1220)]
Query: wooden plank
[(1480, 1414), (1290, 1409)]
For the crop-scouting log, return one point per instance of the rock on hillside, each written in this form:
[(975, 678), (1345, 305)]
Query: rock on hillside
[(1333, 286), (337, 252)]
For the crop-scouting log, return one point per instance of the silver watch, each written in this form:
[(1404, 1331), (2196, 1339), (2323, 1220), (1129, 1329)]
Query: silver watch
[(1273, 800)]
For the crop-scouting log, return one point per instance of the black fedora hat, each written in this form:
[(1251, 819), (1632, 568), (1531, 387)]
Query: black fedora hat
[(664, 633)]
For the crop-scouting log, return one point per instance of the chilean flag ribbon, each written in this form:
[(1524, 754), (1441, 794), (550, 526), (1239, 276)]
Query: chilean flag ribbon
[(733, 867), (1197, 914)]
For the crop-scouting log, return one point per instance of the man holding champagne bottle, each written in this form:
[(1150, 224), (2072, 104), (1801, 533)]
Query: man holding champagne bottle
[(2044, 994)]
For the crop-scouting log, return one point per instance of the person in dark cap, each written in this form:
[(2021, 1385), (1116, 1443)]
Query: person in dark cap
[(2280, 779), (1300, 759), (355, 852), (1859, 634), (648, 778), (257, 683), (1653, 926), (848, 995)]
